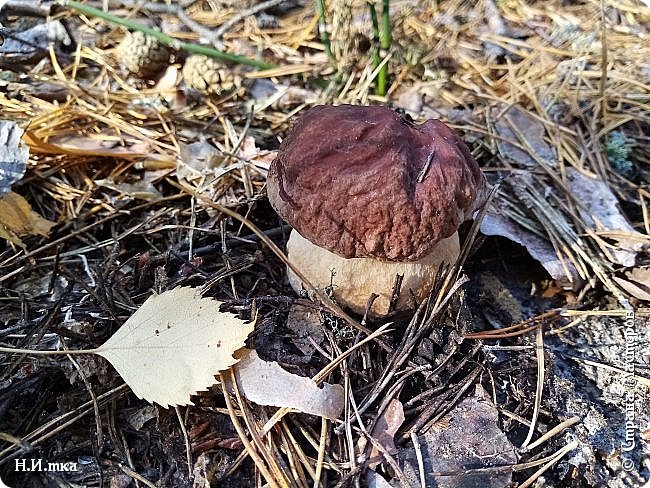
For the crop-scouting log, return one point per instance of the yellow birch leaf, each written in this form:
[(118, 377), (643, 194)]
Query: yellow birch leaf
[(174, 345)]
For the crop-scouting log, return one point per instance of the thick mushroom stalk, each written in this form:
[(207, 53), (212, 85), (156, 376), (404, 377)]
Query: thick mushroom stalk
[(362, 182), (353, 280)]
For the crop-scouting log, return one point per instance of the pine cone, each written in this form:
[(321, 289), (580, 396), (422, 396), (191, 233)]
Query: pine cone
[(210, 75), (142, 55)]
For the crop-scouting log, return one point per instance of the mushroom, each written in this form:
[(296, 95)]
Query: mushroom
[(370, 195)]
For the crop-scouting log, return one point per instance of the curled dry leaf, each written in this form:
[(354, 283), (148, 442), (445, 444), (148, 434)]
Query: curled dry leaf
[(636, 282), (174, 345), (266, 383), (386, 426), (142, 190), (563, 271), (18, 219), (102, 145), (600, 211)]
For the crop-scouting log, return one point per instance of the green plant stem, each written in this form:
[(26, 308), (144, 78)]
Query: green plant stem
[(164, 38), (384, 43), (376, 59), (322, 30), (385, 25)]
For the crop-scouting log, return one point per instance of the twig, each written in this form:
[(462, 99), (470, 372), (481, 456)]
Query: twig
[(186, 438), (135, 475), (554, 459), (554, 431), (252, 452), (98, 417), (603, 62), (539, 350), (68, 419), (418, 454), (322, 445)]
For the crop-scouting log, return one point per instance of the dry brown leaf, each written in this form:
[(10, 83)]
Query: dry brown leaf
[(306, 325), (518, 126), (266, 383), (142, 190), (18, 219), (636, 282), (600, 211), (467, 441), (174, 345), (564, 272), (102, 146), (386, 426), (197, 159)]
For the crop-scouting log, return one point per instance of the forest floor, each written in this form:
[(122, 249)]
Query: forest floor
[(128, 168)]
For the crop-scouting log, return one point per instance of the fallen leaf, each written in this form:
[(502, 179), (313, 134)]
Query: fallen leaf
[(265, 93), (21, 49), (266, 383), (306, 324), (98, 145), (462, 443), (174, 345), (636, 282), (563, 272), (411, 100), (600, 211), (142, 190), (197, 159), (251, 153), (141, 416), (384, 431), (18, 219), (516, 126), (13, 155), (168, 81)]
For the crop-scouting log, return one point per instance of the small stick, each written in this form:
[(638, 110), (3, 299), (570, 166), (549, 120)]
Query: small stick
[(418, 455), (186, 437), (539, 349), (322, 445), (555, 430)]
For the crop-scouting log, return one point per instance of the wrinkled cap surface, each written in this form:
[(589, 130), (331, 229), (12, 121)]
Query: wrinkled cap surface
[(361, 181)]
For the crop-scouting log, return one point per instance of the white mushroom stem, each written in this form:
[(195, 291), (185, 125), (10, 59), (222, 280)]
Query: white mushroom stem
[(354, 280)]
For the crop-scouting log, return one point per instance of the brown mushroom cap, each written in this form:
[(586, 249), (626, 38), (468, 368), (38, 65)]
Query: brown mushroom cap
[(362, 181)]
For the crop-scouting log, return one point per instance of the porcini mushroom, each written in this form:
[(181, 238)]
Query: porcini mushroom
[(369, 196)]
